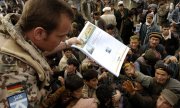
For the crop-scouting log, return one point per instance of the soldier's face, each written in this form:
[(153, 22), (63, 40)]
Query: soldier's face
[(52, 40)]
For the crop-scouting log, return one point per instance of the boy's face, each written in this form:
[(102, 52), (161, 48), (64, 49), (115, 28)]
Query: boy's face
[(161, 76), (92, 83), (68, 54), (149, 19), (134, 43), (78, 93), (110, 31), (165, 31), (96, 16), (71, 69)]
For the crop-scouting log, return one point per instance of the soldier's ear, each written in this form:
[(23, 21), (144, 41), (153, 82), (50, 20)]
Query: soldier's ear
[(40, 33)]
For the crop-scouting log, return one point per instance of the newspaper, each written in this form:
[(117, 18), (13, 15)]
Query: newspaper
[(103, 48)]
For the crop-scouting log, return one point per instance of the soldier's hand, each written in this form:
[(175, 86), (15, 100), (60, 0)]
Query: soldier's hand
[(72, 41)]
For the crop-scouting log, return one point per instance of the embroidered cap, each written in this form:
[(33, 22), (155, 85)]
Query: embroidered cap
[(156, 35), (170, 96)]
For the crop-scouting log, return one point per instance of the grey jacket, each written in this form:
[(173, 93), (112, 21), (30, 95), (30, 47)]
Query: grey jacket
[(175, 15), (146, 30)]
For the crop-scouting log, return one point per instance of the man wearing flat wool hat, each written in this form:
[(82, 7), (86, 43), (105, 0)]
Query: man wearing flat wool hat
[(167, 99), (154, 43), (162, 80), (148, 27)]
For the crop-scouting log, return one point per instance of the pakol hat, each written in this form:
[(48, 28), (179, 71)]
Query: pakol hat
[(152, 55), (156, 35), (163, 66), (170, 96)]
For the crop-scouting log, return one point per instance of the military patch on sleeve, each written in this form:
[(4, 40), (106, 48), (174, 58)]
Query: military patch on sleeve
[(15, 88), (19, 100)]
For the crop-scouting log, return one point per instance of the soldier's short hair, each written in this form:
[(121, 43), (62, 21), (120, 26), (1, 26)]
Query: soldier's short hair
[(44, 13)]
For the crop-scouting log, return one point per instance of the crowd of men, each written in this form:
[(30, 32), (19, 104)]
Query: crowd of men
[(40, 69)]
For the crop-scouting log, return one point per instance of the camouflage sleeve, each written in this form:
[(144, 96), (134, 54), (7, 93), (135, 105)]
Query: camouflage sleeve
[(16, 76)]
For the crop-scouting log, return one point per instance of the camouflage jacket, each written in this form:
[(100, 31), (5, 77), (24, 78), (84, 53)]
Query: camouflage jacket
[(23, 70)]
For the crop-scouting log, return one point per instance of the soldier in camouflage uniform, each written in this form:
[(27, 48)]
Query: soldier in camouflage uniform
[(24, 71)]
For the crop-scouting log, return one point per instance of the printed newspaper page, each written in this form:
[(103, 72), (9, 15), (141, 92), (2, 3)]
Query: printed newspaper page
[(102, 48)]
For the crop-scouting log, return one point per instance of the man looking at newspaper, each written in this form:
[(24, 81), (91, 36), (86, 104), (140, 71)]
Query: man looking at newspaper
[(24, 71)]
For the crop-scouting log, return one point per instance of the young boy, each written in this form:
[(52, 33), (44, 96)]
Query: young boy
[(91, 81), (134, 45)]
